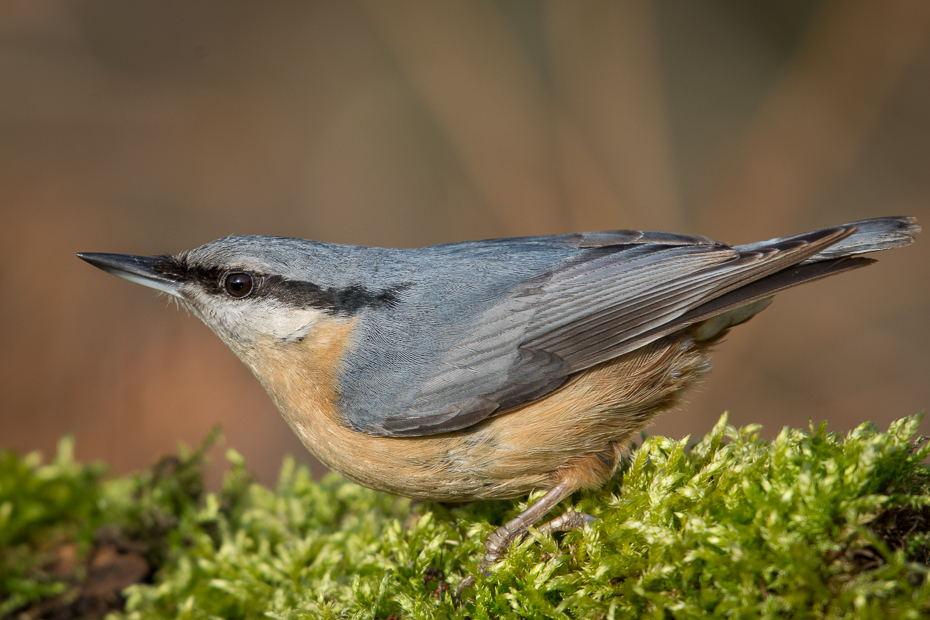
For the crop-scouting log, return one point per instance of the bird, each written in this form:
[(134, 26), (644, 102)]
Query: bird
[(488, 369)]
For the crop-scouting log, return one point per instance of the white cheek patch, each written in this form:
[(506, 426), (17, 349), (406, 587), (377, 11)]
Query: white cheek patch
[(289, 324), (244, 321)]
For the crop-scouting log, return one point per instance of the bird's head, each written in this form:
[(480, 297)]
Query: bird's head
[(248, 289)]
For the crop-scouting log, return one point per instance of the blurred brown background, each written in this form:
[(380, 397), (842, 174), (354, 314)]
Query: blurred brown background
[(153, 126)]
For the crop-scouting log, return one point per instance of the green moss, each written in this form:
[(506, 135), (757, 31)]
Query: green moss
[(41, 506), (811, 524)]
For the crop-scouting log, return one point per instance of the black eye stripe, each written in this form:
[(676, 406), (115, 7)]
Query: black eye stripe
[(343, 300)]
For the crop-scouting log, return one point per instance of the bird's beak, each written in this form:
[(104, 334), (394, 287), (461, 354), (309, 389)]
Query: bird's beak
[(138, 269)]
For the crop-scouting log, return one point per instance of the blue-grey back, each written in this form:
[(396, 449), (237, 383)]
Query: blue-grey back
[(448, 335)]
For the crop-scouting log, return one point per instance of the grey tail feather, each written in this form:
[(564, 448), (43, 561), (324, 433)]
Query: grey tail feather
[(883, 233), (873, 235)]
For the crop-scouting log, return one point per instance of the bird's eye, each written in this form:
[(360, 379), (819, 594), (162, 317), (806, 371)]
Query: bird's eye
[(238, 284)]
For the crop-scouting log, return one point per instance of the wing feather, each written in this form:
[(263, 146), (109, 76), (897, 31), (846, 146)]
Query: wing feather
[(605, 294)]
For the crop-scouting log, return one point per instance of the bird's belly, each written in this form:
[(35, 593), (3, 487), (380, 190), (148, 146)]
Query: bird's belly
[(577, 430)]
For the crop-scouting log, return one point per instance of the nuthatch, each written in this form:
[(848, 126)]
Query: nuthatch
[(487, 369)]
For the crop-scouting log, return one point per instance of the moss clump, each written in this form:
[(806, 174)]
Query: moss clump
[(811, 524), (41, 509)]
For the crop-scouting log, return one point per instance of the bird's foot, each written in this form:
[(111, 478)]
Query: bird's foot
[(515, 530), (567, 522)]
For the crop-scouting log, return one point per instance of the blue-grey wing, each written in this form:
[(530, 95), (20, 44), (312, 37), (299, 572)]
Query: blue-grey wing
[(487, 326)]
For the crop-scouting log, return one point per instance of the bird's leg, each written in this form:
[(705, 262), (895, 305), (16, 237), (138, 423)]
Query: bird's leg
[(506, 534), (517, 527)]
